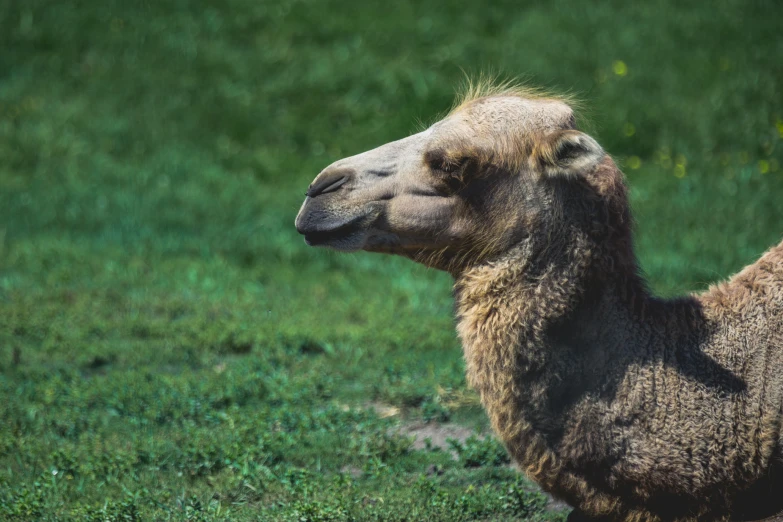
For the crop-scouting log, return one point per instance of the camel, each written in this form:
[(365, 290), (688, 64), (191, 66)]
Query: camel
[(627, 406)]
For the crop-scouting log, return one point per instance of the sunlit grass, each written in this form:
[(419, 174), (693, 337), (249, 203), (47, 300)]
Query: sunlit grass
[(169, 348)]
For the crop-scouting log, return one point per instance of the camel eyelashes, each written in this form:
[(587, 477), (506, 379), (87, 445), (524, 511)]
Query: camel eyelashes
[(450, 166), (440, 162), (453, 166)]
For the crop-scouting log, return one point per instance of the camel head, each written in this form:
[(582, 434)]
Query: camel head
[(467, 188)]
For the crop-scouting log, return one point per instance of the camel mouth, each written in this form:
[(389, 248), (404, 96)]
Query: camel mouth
[(323, 238), (343, 236)]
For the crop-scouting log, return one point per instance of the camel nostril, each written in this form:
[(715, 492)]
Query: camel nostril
[(328, 183)]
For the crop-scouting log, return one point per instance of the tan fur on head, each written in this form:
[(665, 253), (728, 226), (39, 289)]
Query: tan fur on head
[(490, 85), (546, 112)]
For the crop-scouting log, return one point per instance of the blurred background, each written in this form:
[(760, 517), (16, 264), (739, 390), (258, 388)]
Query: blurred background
[(170, 348)]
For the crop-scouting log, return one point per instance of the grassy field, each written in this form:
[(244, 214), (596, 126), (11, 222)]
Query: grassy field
[(170, 349)]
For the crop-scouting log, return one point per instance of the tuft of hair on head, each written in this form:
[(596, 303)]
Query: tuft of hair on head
[(487, 85), (566, 153)]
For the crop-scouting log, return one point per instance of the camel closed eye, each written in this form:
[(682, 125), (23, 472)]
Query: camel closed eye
[(440, 162), (452, 167), (454, 173)]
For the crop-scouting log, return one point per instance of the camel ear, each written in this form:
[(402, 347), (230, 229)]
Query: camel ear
[(567, 153)]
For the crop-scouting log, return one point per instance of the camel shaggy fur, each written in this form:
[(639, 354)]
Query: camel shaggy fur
[(627, 406)]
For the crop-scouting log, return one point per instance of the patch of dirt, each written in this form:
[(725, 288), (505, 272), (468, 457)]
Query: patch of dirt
[(437, 433), (383, 410), (353, 471), (554, 504)]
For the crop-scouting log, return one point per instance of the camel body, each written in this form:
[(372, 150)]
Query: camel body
[(626, 406)]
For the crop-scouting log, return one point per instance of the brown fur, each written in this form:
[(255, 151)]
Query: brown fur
[(627, 406), (622, 404)]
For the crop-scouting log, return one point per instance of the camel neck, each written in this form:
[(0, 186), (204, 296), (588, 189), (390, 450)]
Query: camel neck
[(570, 296), (537, 339)]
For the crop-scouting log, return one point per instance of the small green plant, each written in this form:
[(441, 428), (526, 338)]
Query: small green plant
[(478, 451), (433, 410), (319, 512)]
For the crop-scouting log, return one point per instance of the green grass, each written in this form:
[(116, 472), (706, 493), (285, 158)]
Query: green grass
[(170, 349)]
